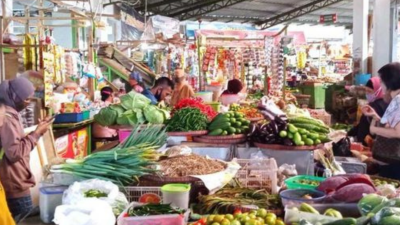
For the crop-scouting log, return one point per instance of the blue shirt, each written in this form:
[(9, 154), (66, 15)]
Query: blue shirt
[(150, 95)]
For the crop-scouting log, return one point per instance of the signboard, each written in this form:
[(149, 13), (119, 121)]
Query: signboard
[(330, 18), (73, 145)]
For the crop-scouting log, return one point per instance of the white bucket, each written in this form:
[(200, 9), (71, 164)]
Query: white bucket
[(206, 96), (176, 194)]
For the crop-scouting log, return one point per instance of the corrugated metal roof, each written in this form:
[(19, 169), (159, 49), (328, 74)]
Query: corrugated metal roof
[(253, 11)]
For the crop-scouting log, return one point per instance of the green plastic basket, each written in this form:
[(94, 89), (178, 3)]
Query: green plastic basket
[(294, 182)]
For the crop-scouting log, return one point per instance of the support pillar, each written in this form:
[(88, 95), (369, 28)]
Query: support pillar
[(360, 35), (382, 35)]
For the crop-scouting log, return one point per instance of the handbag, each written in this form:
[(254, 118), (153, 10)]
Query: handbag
[(386, 150), (342, 147)]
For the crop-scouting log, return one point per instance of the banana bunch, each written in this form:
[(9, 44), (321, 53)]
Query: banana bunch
[(301, 60), (304, 207), (333, 213)]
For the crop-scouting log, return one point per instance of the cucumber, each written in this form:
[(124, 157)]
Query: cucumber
[(346, 221), (290, 135), (245, 122), (309, 142), (313, 136), (233, 120), (223, 125), (231, 130), (238, 124), (238, 131), (292, 128), (216, 132), (224, 133)]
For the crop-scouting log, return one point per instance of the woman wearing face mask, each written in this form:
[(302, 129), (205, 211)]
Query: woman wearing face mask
[(5, 215), (374, 95), (15, 172), (386, 148)]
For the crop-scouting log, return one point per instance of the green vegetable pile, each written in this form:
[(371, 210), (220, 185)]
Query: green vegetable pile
[(92, 193), (228, 123), (123, 164), (134, 109), (153, 210), (187, 119)]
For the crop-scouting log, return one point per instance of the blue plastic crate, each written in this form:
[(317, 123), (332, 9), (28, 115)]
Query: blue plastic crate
[(69, 118), (362, 79)]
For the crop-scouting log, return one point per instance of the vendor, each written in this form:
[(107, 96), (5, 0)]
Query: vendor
[(234, 87), (135, 82), (163, 88), (374, 95), (182, 87), (386, 147), (107, 98), (15, 172), (5, 215)]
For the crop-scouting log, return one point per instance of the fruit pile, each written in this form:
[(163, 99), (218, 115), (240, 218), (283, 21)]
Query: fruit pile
[(229, 123), (307, 182), (255, 217), (248, 111)]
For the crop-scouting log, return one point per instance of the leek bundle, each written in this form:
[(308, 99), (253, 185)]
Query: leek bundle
[(123, 164)]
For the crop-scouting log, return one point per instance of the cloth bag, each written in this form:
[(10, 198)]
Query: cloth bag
[(386, 150)]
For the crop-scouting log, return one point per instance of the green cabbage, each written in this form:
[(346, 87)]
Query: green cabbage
[(107, 116), (155, 115), (131, 117), (134, 100)]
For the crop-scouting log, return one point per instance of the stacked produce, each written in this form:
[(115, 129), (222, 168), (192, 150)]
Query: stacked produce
[(187, 165), (228, 199), (195, 103), (134, 109), (254, 217), (248, 111), (123, 164), (229, 123)]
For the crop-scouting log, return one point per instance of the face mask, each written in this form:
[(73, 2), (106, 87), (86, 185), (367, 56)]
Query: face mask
[(370, 97), (158, 95)]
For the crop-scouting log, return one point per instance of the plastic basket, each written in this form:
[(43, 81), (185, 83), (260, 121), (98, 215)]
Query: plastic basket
[(133, 193), (293, 182), (86, 115), (69, 118), (256, 173)]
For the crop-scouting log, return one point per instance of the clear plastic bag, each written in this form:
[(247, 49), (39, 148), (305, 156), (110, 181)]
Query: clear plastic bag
[(88, 211)]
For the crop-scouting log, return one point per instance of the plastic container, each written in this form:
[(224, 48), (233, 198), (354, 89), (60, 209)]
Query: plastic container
[(173, 219), (207, 96), (86, 115), (176, 194), (69, 118), (228, 99), (215, 105), (50, 198), (133, 193), (362, 79), (293, 182), (296, 196)]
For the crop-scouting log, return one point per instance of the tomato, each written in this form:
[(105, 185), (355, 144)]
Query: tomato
[(237, 211), (150, 198), (270, 220), (262, 213), (229, 217), (203, 221)]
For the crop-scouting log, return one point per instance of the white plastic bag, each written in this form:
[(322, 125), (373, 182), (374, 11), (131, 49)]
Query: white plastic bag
[(89, 211), (76, 193)]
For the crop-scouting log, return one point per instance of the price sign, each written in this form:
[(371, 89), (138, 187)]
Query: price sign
[(330, 18)]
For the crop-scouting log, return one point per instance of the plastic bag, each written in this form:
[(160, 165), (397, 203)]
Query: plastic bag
[(369, 202), (76, 193), (88, 211), (342, 147), (388, 215), (288, 170)]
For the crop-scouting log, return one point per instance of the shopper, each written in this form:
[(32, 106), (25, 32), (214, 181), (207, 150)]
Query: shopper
[(163, 87), (107, 98), (15, 173), (386, 147), (5, 215), (135, 82), (234, 87), (374, 95), (182, 87)]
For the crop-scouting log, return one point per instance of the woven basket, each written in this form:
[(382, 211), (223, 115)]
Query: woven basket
[(385, 179)]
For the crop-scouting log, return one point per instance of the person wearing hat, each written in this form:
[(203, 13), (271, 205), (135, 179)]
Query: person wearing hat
[(182, 88)]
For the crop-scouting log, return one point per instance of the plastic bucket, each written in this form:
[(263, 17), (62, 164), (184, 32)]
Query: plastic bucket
[(207, 96), (228, 99), (50, 198), (176, 194), (362, 79)]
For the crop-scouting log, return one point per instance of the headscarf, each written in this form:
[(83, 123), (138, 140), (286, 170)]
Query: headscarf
[(16, 91), (376, 86)]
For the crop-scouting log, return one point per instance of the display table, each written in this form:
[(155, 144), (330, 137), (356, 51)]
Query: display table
[(73, 140)]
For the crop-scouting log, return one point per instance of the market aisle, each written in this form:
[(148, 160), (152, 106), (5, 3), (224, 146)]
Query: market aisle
[(33, 221)]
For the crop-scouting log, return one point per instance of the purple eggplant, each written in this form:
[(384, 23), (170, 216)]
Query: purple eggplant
[(267, 114), (288, 142)]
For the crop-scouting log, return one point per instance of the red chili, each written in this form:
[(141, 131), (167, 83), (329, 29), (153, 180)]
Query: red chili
[(203, 221), (196, 103)]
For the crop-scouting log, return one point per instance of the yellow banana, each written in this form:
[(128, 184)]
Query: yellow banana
[(304, 207), (333, 213)]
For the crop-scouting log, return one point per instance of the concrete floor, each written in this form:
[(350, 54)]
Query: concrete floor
[(33, 221)]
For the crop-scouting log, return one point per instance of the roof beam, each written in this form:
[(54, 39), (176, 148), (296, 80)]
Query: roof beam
[(156, 5), (297, 12), (206, 8)]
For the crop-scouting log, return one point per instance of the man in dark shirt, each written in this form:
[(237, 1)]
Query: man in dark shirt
[(160, 91)]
